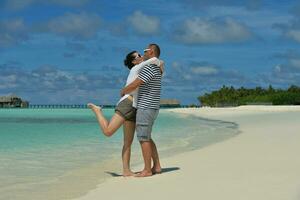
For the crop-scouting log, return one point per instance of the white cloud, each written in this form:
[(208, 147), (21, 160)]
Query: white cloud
[(12, 32), (204, 70), (72, 3), (16, 5), (187, 77), (79, 26), (277, 68), (52, 83), (144, 24), (294, 34), (295, 63), (282, 74), (176, 66), (290, 28), (8, 81), (260, 20), (291, 64), (203, 31), (200, 4), (198, 73), (286, 73)]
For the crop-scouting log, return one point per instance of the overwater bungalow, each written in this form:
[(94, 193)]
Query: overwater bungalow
[(12, 101), (169, 103)]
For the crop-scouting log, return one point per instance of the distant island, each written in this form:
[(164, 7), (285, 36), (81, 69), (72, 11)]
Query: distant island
[(229, 96)]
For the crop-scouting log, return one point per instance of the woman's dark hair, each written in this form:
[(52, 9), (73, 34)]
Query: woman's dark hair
[(128, 60)]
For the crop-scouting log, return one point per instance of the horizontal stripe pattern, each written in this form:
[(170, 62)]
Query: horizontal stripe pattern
[(149, 91)]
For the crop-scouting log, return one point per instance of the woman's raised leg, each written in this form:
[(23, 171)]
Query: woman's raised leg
[(108, 128)]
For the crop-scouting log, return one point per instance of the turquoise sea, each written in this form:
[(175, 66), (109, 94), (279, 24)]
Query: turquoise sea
[(62, 154)]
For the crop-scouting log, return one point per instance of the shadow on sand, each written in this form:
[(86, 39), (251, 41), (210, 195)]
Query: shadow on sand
[(163, 170)]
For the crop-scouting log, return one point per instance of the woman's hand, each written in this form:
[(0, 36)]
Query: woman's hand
[(162, 66), (122, 93)]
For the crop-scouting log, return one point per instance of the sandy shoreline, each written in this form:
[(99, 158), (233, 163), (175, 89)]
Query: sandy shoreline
[(262, 162)]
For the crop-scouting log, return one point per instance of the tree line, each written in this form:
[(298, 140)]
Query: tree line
[(229, 96)]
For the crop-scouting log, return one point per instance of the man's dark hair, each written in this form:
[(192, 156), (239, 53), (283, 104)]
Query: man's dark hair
[(156, 49)]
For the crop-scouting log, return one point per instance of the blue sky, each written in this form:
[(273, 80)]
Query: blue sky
[(72, 51)]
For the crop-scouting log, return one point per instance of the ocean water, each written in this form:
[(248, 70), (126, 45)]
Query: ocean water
[(62, 154)]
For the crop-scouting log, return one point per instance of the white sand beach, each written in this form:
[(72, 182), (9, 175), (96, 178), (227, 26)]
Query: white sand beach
[(261, 163)]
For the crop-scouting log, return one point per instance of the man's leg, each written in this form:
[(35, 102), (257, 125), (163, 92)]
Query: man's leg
[(156, 164), (145, 119), (147, 152)]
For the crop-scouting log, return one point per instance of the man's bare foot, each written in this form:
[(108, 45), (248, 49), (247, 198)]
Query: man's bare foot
[(144, 173), (127, 173), (94, 107), (156, 170)]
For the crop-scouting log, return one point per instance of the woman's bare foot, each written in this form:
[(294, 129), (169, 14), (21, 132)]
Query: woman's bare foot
[(127, 173), (144, 173), (94, 107)]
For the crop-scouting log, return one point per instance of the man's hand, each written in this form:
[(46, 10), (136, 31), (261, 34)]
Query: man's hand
[(131, 87)]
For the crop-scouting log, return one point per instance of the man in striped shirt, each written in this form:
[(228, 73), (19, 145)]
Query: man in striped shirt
[(149, 83)]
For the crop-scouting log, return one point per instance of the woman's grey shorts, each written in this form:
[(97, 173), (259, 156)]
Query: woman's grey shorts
[(126, 110), (144, 121)]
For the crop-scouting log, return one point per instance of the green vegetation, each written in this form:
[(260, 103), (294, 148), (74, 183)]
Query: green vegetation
[(229, 96)]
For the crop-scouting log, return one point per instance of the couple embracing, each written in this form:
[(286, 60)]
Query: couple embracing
[(137, 109)]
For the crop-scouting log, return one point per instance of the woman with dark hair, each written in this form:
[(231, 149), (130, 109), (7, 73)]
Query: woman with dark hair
[(125, 111)]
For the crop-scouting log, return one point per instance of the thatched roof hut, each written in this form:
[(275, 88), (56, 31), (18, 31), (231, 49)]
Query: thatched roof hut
[(10, 98), (12, 101)]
